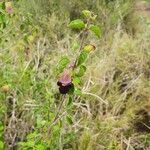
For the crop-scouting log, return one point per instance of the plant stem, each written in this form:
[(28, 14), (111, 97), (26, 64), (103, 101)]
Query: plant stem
[(59, 108), (57, 114), (82, 40)]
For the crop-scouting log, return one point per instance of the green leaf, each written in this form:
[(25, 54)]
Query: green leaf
[(1, 128), (1, 145), (76, 81), (87, 13), (82, 70), (64, 61), (69, 119), (96, 30), (82, 57), (75, 46), (77, 24)]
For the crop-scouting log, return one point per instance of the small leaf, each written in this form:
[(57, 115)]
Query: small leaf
[(77, 24), (75, 46), (69, 119), (96, 30), (64, 61), (82, 57), (82, 70), (30, 39), (87, 13)]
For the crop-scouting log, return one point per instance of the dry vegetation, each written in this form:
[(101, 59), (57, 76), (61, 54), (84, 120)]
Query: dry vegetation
[(113, 112)]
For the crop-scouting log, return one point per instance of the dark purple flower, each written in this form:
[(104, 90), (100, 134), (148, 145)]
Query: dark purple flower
[(65, 83)]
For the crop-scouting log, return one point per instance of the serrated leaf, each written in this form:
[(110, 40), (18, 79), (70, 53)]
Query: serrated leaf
[(76, 24), (96, 30), (82, 57)]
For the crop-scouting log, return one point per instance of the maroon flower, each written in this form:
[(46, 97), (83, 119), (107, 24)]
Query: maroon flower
[(65, 83)]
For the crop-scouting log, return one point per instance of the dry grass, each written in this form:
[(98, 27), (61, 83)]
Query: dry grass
[(114, 111)]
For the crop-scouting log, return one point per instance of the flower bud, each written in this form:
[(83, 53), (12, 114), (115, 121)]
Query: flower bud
[(89, 48), (5, 88)]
